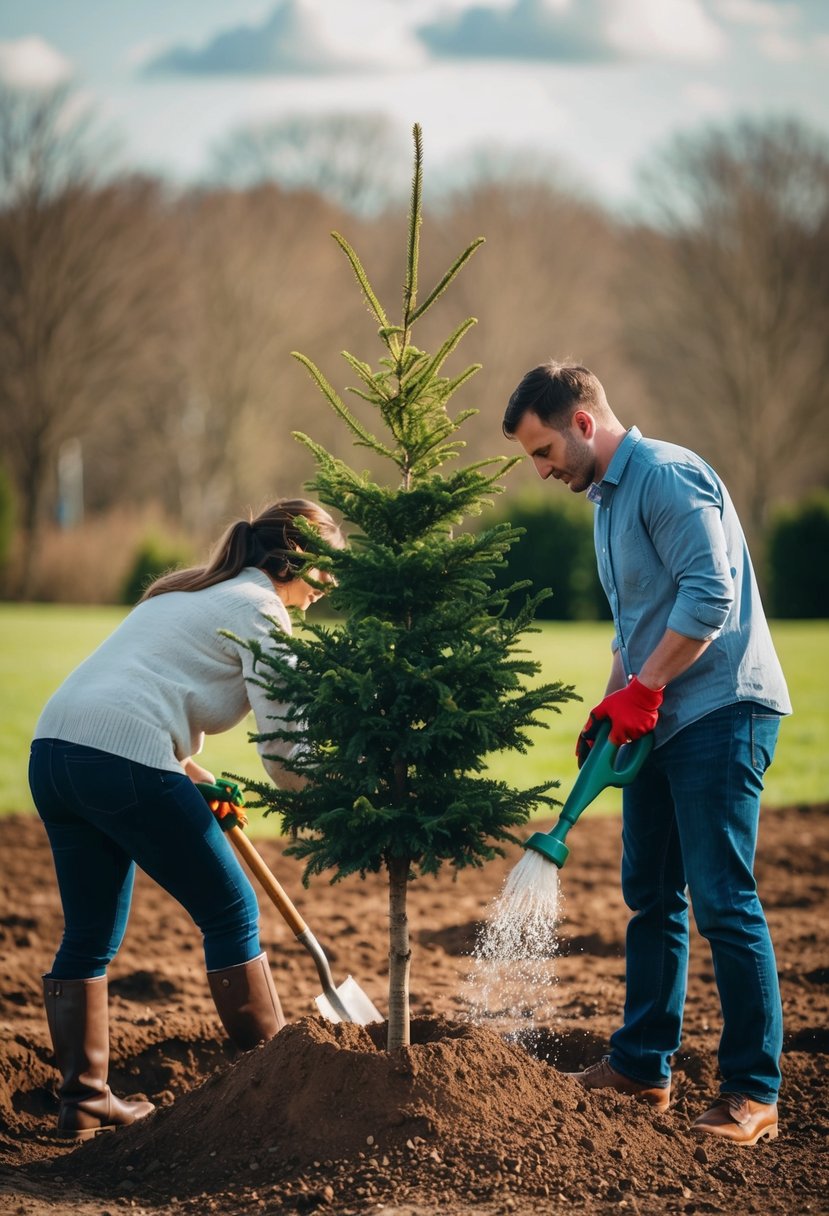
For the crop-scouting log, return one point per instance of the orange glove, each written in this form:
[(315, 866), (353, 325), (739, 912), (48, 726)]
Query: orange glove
[(633, 711), (222, 809)]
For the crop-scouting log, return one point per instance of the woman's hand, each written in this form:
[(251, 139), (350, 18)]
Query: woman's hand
[(195, 771)]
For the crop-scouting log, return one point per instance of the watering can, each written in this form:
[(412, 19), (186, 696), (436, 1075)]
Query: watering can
[(603, 767)]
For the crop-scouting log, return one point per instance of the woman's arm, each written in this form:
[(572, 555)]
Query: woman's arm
[(195, 771)]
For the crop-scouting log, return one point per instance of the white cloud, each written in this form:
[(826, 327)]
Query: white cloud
[(143, 52), (578, 31), (765, 13), (293, 40), (663, 29), (375, 33), (706, 99), (31, 63), (779, 47), (525, 29), (776, 28)]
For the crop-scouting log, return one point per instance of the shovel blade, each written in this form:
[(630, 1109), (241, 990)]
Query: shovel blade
[(359, 1006)]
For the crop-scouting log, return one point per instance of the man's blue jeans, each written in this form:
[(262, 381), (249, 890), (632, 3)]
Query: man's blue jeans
[(690, 821), (104, 814)]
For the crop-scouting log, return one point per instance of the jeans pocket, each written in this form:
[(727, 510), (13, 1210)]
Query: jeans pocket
[(101, 783), (764, 731)]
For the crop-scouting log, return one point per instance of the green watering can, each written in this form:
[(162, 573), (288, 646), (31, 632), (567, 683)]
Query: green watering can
[(599, 771)]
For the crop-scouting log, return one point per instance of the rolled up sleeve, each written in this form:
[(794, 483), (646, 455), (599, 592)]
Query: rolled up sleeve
[(683, 508)]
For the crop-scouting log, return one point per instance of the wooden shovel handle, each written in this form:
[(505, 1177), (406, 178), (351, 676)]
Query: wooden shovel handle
[(271, 887)]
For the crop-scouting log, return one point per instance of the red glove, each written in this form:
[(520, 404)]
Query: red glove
[(633, 711)]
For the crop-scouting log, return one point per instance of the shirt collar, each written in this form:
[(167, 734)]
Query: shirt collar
[(616, 467), (621, 457)]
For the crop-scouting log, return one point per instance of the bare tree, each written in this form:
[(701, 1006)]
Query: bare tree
[(256, 286), (541, 286), (48, 142), (727, 303), (354, 160), (79, 293)]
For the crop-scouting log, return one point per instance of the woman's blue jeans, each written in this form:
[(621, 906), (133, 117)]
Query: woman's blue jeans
[(104, 815), (690, 821)]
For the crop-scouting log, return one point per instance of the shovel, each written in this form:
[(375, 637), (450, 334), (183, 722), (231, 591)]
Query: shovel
[(603, 767), (345, 1003)]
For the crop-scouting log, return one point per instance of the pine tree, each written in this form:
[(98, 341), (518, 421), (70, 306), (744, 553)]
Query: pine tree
[(398, 706)]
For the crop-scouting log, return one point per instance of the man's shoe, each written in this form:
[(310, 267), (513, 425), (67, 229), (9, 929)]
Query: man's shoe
[(602, 1076), (739, 1119)]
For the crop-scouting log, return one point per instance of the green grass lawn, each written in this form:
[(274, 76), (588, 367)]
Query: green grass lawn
[(42, 643)]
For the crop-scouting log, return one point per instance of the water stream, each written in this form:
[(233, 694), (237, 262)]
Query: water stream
[(512, 982)]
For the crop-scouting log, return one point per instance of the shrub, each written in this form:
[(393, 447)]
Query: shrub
[(156, 555), (555, 552), (798, 567), (88, 564)]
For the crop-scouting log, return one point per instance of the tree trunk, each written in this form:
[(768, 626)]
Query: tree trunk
[(31, 524), (400, 955)]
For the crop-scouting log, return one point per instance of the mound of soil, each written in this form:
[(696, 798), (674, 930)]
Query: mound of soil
[(322, 1117), (332, 1118)]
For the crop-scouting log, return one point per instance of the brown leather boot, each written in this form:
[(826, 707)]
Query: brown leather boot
[(602, 1076), (247, 1002), (739, 1119), (78, 1015)]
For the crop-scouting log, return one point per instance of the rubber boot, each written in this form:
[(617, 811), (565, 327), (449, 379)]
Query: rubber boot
[(247, 1002), (78, 1015)]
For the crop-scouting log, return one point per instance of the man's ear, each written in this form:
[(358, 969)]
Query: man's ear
[(585, 423)]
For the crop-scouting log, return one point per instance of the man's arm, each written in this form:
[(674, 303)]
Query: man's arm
[(674, 654), (617, 678), (633, 707), (616, 681), (682, 507)]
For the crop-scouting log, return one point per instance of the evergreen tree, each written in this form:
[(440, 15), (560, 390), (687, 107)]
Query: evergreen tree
[(398, 706)]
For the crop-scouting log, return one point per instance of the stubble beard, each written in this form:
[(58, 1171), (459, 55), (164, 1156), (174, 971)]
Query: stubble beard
[(581, 464)]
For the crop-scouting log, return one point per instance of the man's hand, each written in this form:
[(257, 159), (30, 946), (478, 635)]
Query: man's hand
[(633, 711)]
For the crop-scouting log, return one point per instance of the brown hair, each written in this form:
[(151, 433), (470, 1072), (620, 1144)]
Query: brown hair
[(554, 391), (273, 541)]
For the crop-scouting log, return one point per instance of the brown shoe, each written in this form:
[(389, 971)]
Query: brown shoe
[(602, 1076), (739, 1119)]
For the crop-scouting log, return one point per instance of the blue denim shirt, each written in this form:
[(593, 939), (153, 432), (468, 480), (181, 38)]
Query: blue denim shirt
[(672, 555)]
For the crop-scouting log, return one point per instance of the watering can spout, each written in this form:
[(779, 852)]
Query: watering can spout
[(549, 846), (607, 765)]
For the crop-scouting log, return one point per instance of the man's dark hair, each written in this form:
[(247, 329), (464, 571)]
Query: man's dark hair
[(554, 391)]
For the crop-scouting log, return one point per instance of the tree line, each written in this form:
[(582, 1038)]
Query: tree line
[(153, 328)]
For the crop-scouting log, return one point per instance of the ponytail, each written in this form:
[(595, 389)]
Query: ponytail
[(272, 542)]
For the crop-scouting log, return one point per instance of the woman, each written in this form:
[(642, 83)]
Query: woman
[(112, 776)]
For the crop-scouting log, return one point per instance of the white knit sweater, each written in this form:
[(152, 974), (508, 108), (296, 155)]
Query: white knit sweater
[(166, 677)]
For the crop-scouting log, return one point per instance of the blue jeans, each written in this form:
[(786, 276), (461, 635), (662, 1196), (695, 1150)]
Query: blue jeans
[(690, 821), (104, 815)]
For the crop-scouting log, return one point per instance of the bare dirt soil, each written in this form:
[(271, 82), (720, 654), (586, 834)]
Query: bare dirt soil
[(463, 1121)]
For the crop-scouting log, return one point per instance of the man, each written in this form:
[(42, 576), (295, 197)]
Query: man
[(692, 660)]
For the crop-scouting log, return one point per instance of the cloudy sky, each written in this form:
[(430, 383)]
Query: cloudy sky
[(595, 83)]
